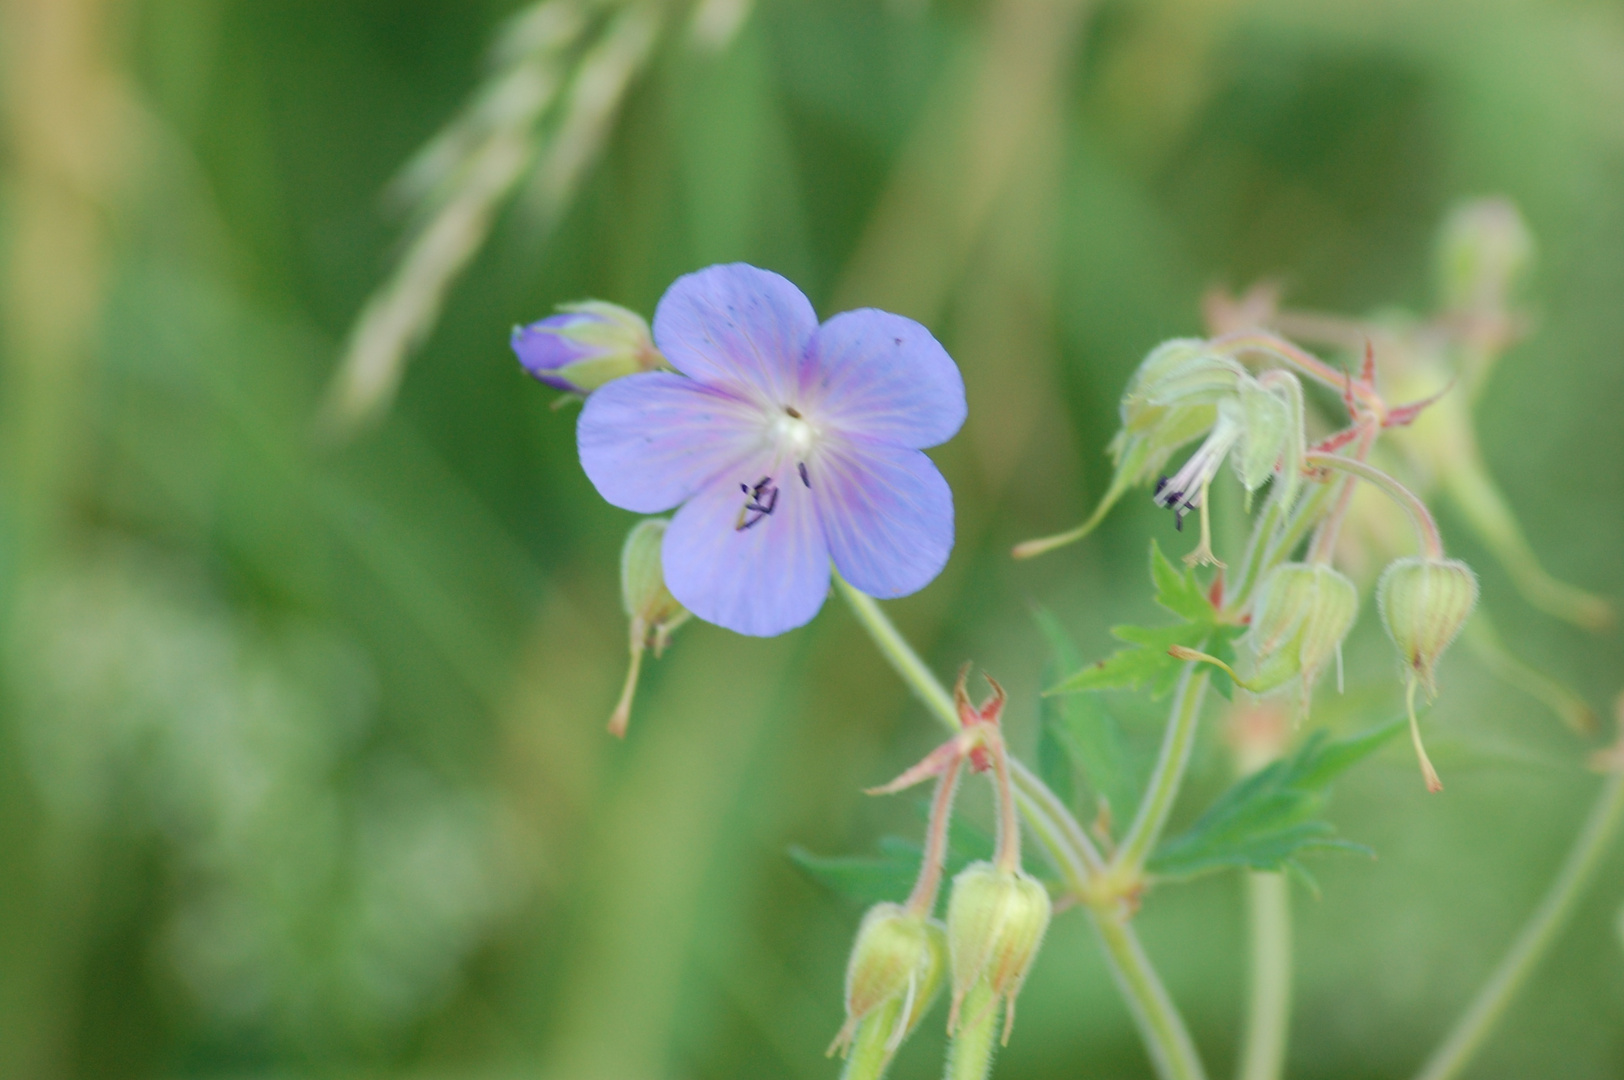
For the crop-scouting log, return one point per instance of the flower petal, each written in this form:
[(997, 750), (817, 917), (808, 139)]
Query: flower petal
[(884, 377), (649, 441), (738, 328), (761, 580), (887, 515)]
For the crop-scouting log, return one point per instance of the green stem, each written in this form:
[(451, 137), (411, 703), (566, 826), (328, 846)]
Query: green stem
[(1268, 1011), (1426, 529), (1171, 1049), (1168, 776), (1541, 930), (895, 648), (1007, 854), (1052, 825)]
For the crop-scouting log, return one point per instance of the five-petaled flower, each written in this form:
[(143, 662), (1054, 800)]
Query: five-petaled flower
[(786, 444)]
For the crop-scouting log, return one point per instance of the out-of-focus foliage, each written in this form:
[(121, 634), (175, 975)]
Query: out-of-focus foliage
[(302, 768)]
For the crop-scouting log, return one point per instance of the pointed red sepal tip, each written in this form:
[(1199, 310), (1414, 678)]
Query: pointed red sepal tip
[(1405, 415), (1367, 371), (1332, 443), (1215, 592), (931, 766)]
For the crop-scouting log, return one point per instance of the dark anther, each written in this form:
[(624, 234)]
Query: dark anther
[(791, 410), (760, 499), (805, 479)]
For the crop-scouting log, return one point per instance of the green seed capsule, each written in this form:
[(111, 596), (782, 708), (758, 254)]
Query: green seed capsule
[(995, 922), (898, 965), (1424, 603), (1301, 615)]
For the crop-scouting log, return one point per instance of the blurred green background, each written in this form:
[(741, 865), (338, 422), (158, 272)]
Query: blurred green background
[(302, 768)]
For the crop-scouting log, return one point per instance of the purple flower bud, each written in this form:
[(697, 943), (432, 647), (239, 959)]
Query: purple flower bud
[(585, 345)]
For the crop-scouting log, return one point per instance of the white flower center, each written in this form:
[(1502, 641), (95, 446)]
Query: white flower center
[(793, 434)]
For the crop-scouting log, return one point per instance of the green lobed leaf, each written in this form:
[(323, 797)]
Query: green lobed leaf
[(1079, 733), (1145, 665), (1178, 591), (1267, 820)]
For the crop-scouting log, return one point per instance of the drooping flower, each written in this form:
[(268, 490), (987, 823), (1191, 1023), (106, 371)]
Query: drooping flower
[(786, 444)]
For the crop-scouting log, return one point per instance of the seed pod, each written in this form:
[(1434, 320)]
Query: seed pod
[(585, 345), (642, 584), (995, 922), (898, 964), (1424, 603), (655, 614), (1301, 615)]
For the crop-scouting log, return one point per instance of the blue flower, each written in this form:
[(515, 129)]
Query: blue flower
[(786, 444)]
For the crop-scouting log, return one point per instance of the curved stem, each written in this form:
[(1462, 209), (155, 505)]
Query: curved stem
[(1324, 545), (1268, 1010), (1257, 341), (1168, 776), (1426, 529), (1166, 1038), (922, 901), (1171, 1050), (1038, 802), (1542, 927)]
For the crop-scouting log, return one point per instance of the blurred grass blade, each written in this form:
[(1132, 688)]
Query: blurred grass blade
[(554, 58)]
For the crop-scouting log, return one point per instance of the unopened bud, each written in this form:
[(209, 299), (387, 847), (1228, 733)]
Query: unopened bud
[(655, 614), (1424, 603), (995, 922), (642, 583), (1484, 248), (1302, 613), (897, 967), (586, 345)]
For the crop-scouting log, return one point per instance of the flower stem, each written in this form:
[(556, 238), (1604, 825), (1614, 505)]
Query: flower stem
[(1426, 529), (895, 648), (1324, 545), (922, 901), (1166, 1038), (1007, 854), (1268, 1009), (1541, 930), (623, 708), (1257, 341), (1171, 1050), (1157, 804)]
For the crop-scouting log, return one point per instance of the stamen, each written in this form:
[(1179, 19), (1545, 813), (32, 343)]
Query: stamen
[(761, 499), (801, 468)]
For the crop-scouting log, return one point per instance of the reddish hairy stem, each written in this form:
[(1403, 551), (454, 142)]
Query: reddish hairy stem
[(922, 901)]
